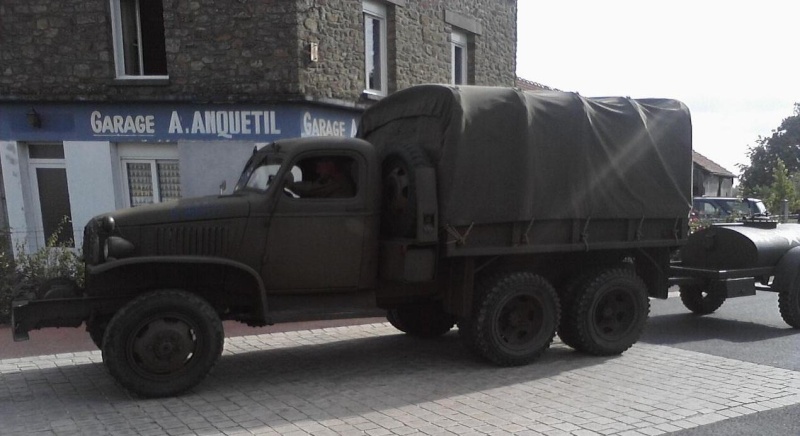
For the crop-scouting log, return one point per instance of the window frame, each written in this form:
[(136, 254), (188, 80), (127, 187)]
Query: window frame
[(376, 11), (143, 153), (36, 195), (459, 40), (119, 46)]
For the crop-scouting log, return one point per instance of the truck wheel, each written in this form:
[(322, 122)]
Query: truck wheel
[(566, 297), (608, 314), (514, 320), (163, 343), (399, 210), (700, 300), (421, 320), (789, 306)]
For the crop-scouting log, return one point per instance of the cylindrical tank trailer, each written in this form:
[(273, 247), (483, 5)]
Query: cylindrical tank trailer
[(734, 260)]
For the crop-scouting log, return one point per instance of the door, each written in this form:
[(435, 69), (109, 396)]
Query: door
[(316, 234), (50, 195)]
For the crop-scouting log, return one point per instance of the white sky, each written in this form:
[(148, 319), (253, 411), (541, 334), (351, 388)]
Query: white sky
[(735, 64)]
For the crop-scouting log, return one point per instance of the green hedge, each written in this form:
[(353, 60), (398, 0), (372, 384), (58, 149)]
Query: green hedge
[(26, 273)]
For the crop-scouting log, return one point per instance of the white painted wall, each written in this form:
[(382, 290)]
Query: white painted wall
[(14, 172), (204, 164), (91, 181)]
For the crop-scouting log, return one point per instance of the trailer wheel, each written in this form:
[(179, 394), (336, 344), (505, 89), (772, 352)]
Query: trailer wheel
[(789, 306), (421, 320), (514, 320), (608, 314), (163, 343), (701, 300), (399, 213)]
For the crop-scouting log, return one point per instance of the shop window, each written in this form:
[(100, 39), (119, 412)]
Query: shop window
[(139, 44), (151, 181), (376, 64)]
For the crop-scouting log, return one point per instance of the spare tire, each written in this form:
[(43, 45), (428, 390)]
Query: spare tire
[(399, 208)]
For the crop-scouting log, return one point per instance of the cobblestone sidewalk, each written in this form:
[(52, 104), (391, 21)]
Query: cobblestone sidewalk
[(371, 380)]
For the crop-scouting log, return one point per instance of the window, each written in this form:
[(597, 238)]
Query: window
[(51, 205), (323, 177), (139, 46), (151, 181), (376, 63), (460, 60)]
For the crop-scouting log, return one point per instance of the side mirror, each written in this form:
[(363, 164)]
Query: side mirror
[(223, 186)]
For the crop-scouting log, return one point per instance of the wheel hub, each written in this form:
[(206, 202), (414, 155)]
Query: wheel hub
[(518, 323), (164, 346), (615, 314)]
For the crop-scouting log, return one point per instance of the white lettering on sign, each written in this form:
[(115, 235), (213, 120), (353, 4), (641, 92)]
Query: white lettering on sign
[(322, 127), (229, 123), (221, 123), (122, 125)]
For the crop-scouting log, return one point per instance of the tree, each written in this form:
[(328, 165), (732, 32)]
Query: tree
[(782, 188), (783, 144)]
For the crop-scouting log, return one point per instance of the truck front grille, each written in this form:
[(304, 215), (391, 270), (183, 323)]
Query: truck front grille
[(195, 240)]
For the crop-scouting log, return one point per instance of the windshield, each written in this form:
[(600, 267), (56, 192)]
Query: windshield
[(259, 172)]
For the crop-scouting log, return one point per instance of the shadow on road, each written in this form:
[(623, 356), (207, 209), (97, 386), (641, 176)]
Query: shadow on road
[(688, 327), (294, 383)]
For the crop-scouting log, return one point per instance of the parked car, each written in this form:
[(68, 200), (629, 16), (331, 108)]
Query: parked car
[(727, 208)]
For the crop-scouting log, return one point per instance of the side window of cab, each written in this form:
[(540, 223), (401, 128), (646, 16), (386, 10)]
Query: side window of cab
[(323, 177)]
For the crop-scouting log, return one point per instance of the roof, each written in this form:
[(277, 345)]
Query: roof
[(710, 166), (528, 85)]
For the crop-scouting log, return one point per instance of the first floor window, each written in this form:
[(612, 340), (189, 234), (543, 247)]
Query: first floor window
[(152, 181), (139, 44), (375, 47), (460, 62)]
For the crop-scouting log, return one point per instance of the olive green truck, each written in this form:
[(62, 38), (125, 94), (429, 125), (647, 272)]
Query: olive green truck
[(513, 215)]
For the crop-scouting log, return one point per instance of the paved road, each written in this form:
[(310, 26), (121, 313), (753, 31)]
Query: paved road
[(370, 380)]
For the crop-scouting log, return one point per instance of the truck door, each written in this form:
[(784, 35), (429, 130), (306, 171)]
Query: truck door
[(316, 233)]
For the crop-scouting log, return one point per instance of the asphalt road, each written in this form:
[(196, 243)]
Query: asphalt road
[(749, 329)]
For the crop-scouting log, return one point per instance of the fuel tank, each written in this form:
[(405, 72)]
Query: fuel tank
[(738, 246)]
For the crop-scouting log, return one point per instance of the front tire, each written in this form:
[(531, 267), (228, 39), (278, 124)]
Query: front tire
[(515, 319), (608, 313), (163, 343)]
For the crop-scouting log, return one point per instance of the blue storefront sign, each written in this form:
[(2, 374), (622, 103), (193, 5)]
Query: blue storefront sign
[(171, 122)]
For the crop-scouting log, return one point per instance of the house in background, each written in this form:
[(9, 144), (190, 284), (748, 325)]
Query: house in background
[(528, 85), (106, 104), (709, 178)]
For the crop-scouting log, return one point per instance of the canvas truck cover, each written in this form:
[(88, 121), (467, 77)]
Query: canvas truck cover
[(505, 155)]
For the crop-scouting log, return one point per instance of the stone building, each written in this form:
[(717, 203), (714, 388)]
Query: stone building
[(107, 104)]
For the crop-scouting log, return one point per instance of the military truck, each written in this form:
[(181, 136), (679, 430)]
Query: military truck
[(511, 214)]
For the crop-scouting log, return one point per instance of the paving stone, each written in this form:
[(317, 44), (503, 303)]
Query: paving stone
[(371, 380)]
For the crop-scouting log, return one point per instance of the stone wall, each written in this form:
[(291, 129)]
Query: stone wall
[(244, 50)]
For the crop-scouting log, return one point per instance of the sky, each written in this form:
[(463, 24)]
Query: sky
[(734, 64)]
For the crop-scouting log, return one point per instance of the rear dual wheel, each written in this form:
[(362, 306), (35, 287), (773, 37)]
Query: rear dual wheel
[(514, 319), (605, 312)]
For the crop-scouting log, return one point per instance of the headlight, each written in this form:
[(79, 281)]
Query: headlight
[(108, 224), (116, 247)]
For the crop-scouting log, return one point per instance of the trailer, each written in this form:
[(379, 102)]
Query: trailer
[(736, 260)]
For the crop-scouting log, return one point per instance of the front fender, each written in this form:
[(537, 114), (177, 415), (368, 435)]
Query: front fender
[(95, 273), (786, 273)]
